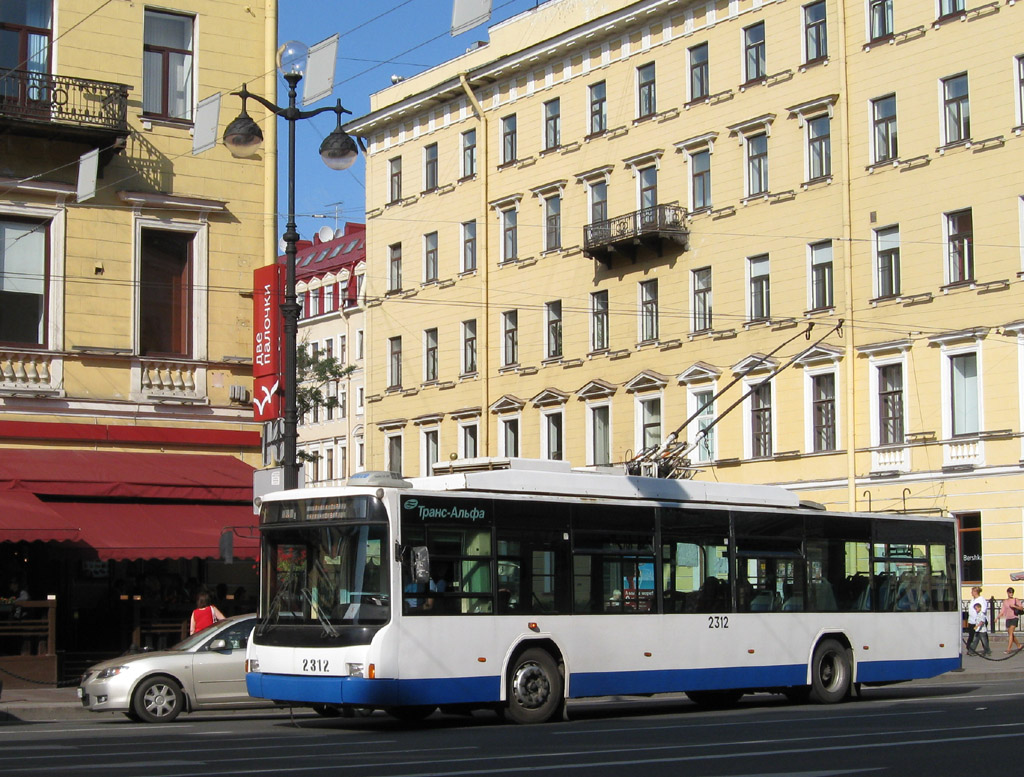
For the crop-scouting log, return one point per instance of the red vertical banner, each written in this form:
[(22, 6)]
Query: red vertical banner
[(267, 367)]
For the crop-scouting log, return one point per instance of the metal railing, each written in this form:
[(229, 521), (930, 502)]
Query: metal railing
[(662, 220), (52, 98)]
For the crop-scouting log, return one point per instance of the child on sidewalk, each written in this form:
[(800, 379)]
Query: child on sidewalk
[(980, 631)]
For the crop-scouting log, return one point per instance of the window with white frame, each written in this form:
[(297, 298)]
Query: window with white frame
[(360, 399), (167, 69), (761, 421), (1018, 71), (821, 275), (700, 281), (165, 292), (964, 404), (649, 310), (819, 148), (648, 422), (879, 19), (956, 109), (468, 441), (394, 453), (598, 108), (702, 406), (700, 179), (468, 246), (960, 246), (599, 333), (360, 453), (700, 77), (645, 89), (887, 260), (430, 167), (823, 412), (754, 61), (430, 354), (598, 202), (883, 120), (815, 32), (394, 362), (395, 179), (757, 164), (342, 461), (759, 295), (552, 124), (24, 281), (648, 192), (553, 435), (508, 433), (395, 267), (600, 435), (508, 139), (430, 257), (469, 347), (553, 330), (890, 404), (509, 234), (552, 222), (431, 448), (950, 7), (360, 343), (509, 338), (469, 153)]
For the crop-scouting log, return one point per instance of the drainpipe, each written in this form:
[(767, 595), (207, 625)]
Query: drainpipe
[(270, 136)]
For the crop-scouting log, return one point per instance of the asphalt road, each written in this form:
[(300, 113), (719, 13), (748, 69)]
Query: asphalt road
[(922, 728)]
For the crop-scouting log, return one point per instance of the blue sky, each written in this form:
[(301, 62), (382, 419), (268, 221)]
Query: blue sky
[(378, 39)]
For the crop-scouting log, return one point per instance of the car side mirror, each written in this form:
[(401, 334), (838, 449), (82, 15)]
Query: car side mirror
[(219, 644)]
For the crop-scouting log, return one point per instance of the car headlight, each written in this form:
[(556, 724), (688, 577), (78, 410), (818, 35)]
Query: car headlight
[(110, 671)]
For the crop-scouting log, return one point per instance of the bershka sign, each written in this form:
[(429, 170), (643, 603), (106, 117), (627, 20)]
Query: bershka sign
[(267, 387)]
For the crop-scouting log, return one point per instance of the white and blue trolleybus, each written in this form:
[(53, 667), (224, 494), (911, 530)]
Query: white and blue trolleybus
[(523, 587)]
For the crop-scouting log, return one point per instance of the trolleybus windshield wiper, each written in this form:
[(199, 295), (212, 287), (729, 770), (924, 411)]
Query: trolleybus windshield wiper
[(324, 620)]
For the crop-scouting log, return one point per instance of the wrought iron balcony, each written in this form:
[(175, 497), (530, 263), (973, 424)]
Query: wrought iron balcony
[(652, 227), (61, 108)]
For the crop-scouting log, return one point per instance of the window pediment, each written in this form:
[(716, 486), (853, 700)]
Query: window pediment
[(699, 372), (745, 129), (597, 175), (548, 189), (597, 389), (506, 203), (819, 354), (645, 159), (549, 397), (812, 108), (508, 404), (889, 346), (972, 335), (428, 419), (697, 143), (392, 424), (646, 380), (756, 362), (464, 413)]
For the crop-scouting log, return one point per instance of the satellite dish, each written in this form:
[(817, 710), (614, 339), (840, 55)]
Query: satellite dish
[(325, 234)]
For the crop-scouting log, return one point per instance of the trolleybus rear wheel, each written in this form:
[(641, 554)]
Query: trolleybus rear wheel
[(830, 672)]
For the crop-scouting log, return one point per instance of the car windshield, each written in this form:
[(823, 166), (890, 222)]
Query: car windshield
[(329, 575), (199, 637)]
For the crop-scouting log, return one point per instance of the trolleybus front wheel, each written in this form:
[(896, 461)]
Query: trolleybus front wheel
[(830, 672), (535, 687)]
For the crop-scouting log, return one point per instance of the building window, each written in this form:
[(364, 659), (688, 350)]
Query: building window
[(360, 342), (883, 113), (167, 66), (880, 18), (648, 310), (431, 451), (890, 404), (395, 267), (553, 435), (510, 235), (821, 276), (469, 347), (508, 139), (645, 88), (24, 282), (469, 153), (552, 125), (960, 246), (469, 246), (395, 453), (552, 223), (395, 362), (964, 408), (701, 280), (165, 293), (510, 437), (703, 405), (553, 330), (601, 437), (956, 109), (971, 564), (650, 423), (823, 412), (1020, 90), (599, 321), (509, 337), (700, 77), (430, 257), (429, 168), (887, 249), (648, 194), (598, 202), (757, 164), (815, 32), (598, 108), (700, 179), (468, 441), (761, 421), (754, 67), (950, 7), (24, 44), (395, 179), (819, 148), (430, 355), (760, 288)]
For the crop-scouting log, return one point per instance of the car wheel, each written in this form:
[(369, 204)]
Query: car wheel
[(158, 700), (535, 688), (133, 716)]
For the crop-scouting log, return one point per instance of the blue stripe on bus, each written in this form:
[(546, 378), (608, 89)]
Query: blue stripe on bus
[(671, 680), (915, 669), (376, 693)]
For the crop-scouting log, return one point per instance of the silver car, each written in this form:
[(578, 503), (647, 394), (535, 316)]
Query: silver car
[(204, 672)]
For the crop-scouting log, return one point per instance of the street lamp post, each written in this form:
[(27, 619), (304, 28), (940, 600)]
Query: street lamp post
[(243, 137)]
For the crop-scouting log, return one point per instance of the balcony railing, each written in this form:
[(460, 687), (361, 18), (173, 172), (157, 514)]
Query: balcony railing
[(44, 97), (651, 226)]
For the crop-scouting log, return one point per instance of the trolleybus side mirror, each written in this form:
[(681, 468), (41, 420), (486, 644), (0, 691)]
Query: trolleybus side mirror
[(421, 564)]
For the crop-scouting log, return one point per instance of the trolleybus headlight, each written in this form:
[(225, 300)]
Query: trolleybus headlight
[(355, 670), (252, 665)]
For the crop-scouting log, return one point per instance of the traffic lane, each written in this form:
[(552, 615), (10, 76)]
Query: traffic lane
[(758, 737)]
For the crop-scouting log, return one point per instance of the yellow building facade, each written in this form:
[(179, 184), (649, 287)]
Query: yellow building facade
[(796, 224)]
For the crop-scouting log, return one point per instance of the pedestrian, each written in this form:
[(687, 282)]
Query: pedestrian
[(1010, 613), (204, 615), (980, 631)]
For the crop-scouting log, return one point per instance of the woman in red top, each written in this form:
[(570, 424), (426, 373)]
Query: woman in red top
[(1010, 613), (204, 615)]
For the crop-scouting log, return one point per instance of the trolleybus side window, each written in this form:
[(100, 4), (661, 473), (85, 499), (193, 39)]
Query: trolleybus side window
[(613, 559), (533, 557), (770, 563), (695, 561)]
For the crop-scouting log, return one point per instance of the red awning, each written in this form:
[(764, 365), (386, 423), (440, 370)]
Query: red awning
[(118, 530), (23, 517)]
